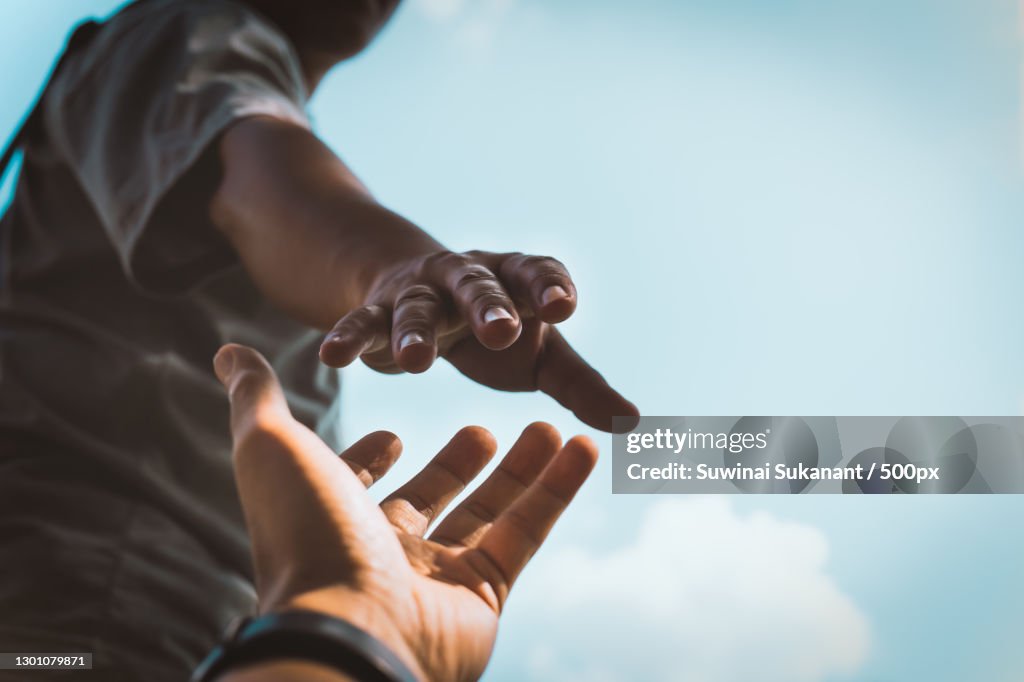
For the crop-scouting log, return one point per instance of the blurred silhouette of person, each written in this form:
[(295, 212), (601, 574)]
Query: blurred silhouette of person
[(172, 198)]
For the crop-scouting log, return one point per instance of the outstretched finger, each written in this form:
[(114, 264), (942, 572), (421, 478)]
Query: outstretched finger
[(567, 378), (541, 282), (416, 504), (256, 397), (525, 460), (516, 535), (364, 330), (296, 494), (372, 456), (480, 298), (418, 312)]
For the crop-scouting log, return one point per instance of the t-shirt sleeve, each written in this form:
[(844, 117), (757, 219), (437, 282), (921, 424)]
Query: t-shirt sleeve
[(135, 116)]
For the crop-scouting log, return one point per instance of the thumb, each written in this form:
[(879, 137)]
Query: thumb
[(307, 513), (567, 378), (253, 389)]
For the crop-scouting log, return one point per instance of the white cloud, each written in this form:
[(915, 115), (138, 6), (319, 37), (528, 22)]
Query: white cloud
[(702, 594)]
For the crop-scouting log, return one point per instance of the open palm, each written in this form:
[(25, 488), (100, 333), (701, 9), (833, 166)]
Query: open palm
[(319, 542)]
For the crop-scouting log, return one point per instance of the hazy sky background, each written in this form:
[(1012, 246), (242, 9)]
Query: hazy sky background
[(786, 207)]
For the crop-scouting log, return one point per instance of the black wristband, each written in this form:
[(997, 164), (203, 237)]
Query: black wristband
[(309, 636)]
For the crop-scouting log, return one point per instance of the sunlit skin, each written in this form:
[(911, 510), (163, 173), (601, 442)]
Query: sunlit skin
[(319, 542)]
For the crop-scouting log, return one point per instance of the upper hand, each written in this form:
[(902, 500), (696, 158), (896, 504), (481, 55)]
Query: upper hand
[(319, 542), (490, 315)]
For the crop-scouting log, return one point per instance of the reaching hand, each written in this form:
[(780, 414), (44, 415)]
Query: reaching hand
[(491, 315), (319, 542)]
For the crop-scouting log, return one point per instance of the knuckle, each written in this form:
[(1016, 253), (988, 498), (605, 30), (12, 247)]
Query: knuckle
[(445, 261), (357, 320), (549, 276), (247, 385), (480, 511), (421, 324), (532, 261), (527, 526), (513, 259), (474, 276), (348, 325), (546, 265), (487, 297), (417, 295), (524, 268)]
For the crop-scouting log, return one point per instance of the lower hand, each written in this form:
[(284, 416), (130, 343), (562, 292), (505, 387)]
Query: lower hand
[(320, 543)]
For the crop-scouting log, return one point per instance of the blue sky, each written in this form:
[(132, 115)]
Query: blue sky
[(786, 207)]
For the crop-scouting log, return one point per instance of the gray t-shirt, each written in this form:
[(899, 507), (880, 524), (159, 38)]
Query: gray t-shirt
[(120, 530)]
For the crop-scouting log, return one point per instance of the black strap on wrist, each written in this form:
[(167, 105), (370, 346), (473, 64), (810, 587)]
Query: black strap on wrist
[(308, 636)]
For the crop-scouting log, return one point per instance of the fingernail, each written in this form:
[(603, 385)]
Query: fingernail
[(496, 313), (224, 364), (553, 293), (409, 339)]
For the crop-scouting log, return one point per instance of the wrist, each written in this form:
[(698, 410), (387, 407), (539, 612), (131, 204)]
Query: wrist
[(285, 669), (396, 243), (366, 614), (255, 648)]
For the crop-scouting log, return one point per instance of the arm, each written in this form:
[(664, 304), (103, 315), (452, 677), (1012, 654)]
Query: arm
[(306, 229), (318, 245)]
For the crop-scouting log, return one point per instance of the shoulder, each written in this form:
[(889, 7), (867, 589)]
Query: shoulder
[(162, 32), (158, 47)]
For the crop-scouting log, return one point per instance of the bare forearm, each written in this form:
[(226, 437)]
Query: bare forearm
[(307, 231), (317, 244)]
